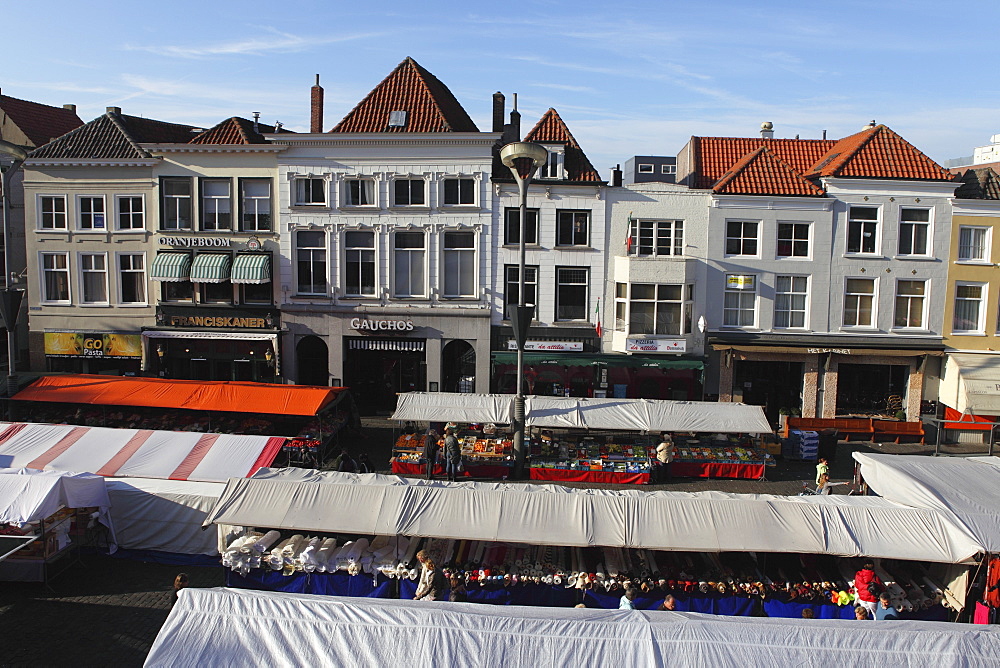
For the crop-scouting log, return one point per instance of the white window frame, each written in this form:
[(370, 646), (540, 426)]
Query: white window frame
[(661, 234), (509, 229), (409, 179), (924, 299), (531, 273), (296, 249), (929, 225), (345, 192), (987, 244), (64, 214), (808, 240), (459, 180), (80, 214), (409, 253), (585, 315), (645, 168), (791, 293), (82, 273), (172, 202), (877, 244), (685, 306), (742, 238), (348, 249), (131, 214), (144, 281), (254, 203), (464, 255), (741, 308), (42, 272), (208, 205), (668, 169), (572, 214), (982, 301), (295, 195), (874, 308), (555, 164)]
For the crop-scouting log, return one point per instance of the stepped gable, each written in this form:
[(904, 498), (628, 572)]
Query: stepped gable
[(877, 152), (979, 183), (713, 157), (39, 122), (236, 130), (761, 172), (551, 129), (114, 136), (429, 105)]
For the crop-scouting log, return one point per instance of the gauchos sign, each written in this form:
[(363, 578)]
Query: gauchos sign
[(381, 325)]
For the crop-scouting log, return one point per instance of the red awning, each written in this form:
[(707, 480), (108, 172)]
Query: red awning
[(197, 395)]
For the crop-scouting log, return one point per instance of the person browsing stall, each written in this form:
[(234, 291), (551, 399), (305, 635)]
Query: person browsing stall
[(665, 455), (430, 451), (868, 585), (885, 610), (432, 581), (627, 602), (452, 454)]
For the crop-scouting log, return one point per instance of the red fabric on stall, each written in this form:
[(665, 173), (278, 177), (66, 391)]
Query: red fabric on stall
[(267, 455), (471, 470), (577, 475), (710, 470)]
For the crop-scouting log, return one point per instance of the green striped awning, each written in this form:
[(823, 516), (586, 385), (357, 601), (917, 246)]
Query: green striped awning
[(252, 268), (171, 267), (211, 267)]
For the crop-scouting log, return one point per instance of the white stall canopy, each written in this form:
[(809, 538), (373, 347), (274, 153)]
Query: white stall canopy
[(29, 496), (650, 415), (554, 515), (231, 627), (965, 489)]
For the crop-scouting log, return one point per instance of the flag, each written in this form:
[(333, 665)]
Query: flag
[(597, 314), (628, 235)]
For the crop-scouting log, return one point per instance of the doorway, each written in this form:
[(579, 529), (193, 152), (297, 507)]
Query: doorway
[(313, 361), (458, 367), (771, 384)]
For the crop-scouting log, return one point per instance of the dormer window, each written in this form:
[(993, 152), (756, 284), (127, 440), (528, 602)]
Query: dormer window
[(553, 167), (397, 119)]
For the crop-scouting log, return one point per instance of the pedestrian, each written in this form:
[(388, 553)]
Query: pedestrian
[(822, 469), (860, 613), (824, 486), (180, 582), (885, 609), (452, 454), (664, 455), (807, 613), (457, 591), (365, 464), (346, 463), (432, 582), (431, 451), (867, 586), (669, 603), (627, 602)]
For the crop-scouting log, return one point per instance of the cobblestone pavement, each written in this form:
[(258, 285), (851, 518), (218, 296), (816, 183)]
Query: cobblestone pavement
[(107, 611)]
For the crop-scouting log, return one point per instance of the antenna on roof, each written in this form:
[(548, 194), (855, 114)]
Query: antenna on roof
[(277, 126), (515, 101), (256, 121)]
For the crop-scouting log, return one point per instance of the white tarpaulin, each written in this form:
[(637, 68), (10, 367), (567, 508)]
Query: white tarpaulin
[(966, 489), (229, 627), (971, 383), (651, 415), (555, 515), (28, 496)]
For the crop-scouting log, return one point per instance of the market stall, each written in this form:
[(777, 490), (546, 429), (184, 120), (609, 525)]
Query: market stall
[(487, 452)]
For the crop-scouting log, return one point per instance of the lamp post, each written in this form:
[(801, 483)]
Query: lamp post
[(523, 159), (10, 298)]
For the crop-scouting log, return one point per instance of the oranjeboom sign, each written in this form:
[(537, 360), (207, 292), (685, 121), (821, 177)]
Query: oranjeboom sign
[(381, 325)]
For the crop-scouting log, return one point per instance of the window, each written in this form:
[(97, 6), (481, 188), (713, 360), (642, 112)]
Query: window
[(790, 296), (132, 278), (311, 263), (571, 293), (552, 169), (94, 278), (739, 306), (408, 264), (91, 211), (408, 192), (645, 169), (309, 191), (255, 200), (359, 264), (969, 309), (359, 192), (909, 304), (654, 309), (177, 291), (216, 204), (741, 237), (913, 231), (572, 228), (793, 240), (459, 191), (862, 230), (973, 244), (176, 204), (459, 264), (255, 293), (511, 286), (55, 277), (53, 213), (512, 226), (668, 169), (655, 237), (859, 301), (131, 212), (215, 293)]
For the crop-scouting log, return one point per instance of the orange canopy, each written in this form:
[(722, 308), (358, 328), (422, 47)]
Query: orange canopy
[(197, 395)]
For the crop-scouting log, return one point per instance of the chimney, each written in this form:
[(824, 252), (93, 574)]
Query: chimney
[(767, 130), (256, 122), (70, 107), (498, 108), (114, 110), (316, 122), (616, 176), (515, 121), (824, 134)]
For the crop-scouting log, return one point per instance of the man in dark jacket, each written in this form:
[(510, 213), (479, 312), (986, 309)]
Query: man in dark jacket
[(452, 454), (430, 451)]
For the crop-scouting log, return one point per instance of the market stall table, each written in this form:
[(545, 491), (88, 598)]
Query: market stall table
[(719, 462)]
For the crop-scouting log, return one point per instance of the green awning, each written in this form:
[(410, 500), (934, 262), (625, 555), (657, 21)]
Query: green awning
[(171, 267), (252, 268), (211, 267), (594, 359)]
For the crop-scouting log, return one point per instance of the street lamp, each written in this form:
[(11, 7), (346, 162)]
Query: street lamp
[(10, 298), (523, 159)]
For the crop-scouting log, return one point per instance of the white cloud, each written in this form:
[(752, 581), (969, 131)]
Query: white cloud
[(279, 42)]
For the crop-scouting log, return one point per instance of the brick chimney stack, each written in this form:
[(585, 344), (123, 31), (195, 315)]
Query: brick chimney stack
[(498, 109), (316, 122)]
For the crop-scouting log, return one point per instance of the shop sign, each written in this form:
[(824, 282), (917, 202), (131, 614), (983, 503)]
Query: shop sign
[(381, 325), (548, 346), (655, 345), (820, 351), (190, 242), (215, 318), (741, 282), (93, 344)]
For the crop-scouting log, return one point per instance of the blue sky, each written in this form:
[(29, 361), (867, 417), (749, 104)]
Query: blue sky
[(628, 77)]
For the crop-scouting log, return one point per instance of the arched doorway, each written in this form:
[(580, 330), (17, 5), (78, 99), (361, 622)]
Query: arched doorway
[(458, 367), (313, 361)]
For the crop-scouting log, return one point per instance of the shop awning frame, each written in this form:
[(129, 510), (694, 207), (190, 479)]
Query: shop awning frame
[(251, 269), (211, 268), (593, 359), (171, 267)]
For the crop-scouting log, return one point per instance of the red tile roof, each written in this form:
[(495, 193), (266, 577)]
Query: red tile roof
[(761, 172), (114, 136), (878, 152), (551, 129), (978, 183), (714, 156), (39, 122), (429, 105), (235, 130)]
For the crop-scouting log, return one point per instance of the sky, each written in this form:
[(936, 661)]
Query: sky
[(629, 78)]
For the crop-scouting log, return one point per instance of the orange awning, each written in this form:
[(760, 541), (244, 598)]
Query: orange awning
[(197, 395)]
